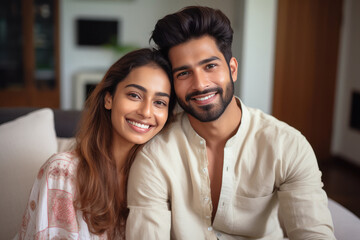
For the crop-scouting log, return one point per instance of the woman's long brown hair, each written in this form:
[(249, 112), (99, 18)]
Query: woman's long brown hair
[(101, 191)]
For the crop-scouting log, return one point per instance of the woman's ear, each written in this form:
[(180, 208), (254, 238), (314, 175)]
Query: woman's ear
[(108, 101), (233, 68)]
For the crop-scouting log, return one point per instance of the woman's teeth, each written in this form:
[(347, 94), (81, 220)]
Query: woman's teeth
[(205, 98), (140, 125)]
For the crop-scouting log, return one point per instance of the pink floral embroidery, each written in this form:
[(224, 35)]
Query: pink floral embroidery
[(41, 235), (61, 211), (44, 235), (56, 172), (61, 172), (59, 238), (24, 224)]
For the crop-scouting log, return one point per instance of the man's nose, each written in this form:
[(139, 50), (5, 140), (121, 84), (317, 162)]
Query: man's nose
[(200, 81)]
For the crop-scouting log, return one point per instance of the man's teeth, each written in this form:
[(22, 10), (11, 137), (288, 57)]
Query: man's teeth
[(205, 98), (140, 125)]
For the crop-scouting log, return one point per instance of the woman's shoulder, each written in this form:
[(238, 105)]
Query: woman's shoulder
[(63, 160), (59, 171), (50, 212)]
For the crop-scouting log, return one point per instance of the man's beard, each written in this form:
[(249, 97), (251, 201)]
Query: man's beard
[(212, 111)]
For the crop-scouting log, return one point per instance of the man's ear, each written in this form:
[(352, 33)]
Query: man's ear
[(108, 101), (233, 68)]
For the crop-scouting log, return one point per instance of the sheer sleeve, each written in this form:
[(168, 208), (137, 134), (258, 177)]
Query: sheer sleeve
[(50, 213)]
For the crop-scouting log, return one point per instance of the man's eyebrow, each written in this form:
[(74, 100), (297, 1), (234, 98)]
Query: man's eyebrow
[(208, 60), (180, 68), (199, 63), (141, 88)]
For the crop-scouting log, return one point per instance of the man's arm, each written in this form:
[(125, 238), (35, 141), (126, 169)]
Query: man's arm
[(149, 216), (303, 202)]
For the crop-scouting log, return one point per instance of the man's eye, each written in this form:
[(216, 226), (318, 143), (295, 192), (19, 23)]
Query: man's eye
[(182, 74), (161, 103), (211, 65)]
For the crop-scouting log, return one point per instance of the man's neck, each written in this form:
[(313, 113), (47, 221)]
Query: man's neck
[(222, 129)]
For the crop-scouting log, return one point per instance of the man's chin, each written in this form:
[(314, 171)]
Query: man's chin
[(207, 108), (205, 116), (203, 113)]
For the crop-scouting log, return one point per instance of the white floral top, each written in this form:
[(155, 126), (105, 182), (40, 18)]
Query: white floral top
[(50, 213)]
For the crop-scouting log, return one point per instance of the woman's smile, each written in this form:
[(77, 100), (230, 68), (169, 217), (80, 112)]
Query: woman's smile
[(139, 107)]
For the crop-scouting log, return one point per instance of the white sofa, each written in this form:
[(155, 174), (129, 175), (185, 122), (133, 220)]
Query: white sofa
[(26, 143)]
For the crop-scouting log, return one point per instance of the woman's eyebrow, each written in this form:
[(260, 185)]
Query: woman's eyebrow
[(162, 94), (141, 88), (136, 86)]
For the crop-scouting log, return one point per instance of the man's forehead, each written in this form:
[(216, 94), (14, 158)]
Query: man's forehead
[(194, 51), (199, 63)]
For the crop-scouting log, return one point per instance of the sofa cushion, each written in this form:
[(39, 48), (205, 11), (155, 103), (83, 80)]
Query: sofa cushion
[(25, 144)]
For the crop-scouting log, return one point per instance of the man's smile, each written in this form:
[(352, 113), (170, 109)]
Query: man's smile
[(204, 98)]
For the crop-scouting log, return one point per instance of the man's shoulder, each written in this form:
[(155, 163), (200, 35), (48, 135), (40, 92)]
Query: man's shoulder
[(170, 132), (267, 124), (168, 137)]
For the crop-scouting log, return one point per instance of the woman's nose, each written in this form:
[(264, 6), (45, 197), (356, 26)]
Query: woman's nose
[(145, 109)]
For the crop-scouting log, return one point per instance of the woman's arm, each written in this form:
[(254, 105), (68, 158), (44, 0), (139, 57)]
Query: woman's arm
[(50, 211)]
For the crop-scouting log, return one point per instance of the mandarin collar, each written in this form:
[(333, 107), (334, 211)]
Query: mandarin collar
[(196, 139)]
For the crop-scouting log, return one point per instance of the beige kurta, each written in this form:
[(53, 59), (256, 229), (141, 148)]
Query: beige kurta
[(267, 165)]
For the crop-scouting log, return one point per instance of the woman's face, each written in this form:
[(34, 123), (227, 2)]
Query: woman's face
[(139, 107)]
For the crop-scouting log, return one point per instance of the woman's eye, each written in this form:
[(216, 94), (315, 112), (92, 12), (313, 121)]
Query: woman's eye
[(134, 95), (160, 103)]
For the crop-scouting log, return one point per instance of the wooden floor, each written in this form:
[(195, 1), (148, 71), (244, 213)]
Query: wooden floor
[(342, 183)]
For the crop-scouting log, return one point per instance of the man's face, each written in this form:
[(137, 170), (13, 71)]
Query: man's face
[(203, 83)]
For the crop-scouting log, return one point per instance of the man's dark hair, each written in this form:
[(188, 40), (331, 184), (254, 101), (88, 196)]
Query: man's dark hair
[(194, 22)]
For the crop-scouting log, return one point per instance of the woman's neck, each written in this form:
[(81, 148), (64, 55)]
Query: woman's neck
[(120, 154)]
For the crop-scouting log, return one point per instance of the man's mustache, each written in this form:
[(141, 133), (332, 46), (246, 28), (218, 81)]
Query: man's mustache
[(191, 95)]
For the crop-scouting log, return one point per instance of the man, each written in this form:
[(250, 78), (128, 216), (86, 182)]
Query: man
[(222, 170)]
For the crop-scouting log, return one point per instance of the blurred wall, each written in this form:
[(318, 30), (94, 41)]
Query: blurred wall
[(137, 17), (258, 49), (253, 22), (346, 141)]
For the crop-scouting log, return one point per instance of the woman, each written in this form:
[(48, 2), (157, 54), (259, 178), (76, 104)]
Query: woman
[(82, 194)]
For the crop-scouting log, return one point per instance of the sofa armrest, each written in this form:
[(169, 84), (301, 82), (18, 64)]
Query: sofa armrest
[(346, 224)]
